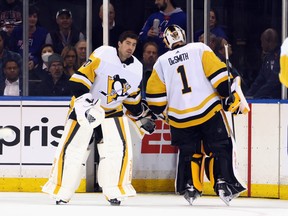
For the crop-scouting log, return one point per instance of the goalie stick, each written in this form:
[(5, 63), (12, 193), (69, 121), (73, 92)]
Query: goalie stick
[(6, 133), (229, 86)]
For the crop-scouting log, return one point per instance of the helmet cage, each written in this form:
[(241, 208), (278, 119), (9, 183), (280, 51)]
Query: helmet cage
[(174, 34)]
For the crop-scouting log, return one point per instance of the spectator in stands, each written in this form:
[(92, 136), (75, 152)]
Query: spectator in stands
[(114, 29), (10, 15), (81, 47), (37, 35), (150, 55), (212, 40), (267, 84), (12, 85), (69, 54), (65, 33), (219, 50), (214, 26), (6, 54), (56, 83), (40, 72), (168, 14)]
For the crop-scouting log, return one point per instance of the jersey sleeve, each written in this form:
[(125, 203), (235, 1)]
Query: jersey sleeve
[(216, 71), (156, 95), (133, 103), (82, 80)]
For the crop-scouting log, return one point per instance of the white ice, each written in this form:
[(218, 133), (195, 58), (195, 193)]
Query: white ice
[(148, 204)]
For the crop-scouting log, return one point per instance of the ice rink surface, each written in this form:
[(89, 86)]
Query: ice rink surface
[(148, 204)]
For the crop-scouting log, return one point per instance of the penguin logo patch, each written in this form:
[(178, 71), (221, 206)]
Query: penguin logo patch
[(116, 87)]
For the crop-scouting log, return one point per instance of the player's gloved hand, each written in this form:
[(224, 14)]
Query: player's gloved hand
[(145, 121), (88, 111), (231, 103), (236, 103)]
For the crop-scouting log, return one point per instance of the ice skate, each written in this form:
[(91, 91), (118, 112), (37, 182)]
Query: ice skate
[(227, 191), (114, 202), (223, 191), (191, 194), (59, 202)]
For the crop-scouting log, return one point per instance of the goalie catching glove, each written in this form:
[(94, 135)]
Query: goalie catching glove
[(145, 121), (236, 103), (88, 111)]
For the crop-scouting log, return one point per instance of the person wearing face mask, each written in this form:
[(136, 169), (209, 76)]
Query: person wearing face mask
[(40, 73)]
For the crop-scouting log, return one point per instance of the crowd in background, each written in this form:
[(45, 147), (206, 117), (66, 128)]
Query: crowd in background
[(56, 53)]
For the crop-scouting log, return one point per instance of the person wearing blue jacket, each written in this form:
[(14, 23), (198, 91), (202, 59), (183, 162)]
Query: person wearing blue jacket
[(168, 14), (37, 36)]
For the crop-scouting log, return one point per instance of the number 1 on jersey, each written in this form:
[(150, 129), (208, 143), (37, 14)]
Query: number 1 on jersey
[(181, 71)]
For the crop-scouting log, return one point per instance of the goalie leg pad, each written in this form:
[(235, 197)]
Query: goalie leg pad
[(190, 169), (69, 161), (115, 166), (221, 165), (197, 168)]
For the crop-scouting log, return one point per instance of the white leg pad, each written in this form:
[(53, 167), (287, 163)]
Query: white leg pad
[(69, 161), (115, 166)]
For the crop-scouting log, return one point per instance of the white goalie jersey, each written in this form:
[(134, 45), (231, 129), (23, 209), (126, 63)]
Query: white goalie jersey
[(116, 81), (102, 79), (189, 87)]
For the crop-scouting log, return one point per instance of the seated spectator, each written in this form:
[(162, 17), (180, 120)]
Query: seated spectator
[(81, 47), (114, 29), (267, 84), (56, 83), (10, 15), (69, 54), (215, 28), (65, 33), (219, 50), (212, 40), (37, 36), (5, 55), (40, 72), (12, 85), (150, 55), (167, 15)]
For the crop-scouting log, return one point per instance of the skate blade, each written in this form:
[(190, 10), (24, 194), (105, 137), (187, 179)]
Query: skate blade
[(60, 202), (191, 200), (225, 199)]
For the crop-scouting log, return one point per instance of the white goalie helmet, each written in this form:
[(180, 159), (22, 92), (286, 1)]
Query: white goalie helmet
[(174, 34)]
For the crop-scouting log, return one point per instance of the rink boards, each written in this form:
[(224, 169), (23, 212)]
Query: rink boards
[(25, 160)]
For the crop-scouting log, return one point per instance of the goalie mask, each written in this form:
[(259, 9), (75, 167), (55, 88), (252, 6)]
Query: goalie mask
[(174, 34)]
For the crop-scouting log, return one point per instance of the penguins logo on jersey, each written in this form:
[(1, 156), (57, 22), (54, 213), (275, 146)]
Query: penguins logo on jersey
[(116, 87)]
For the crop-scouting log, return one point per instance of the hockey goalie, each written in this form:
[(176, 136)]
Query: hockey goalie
[(102, 87)]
